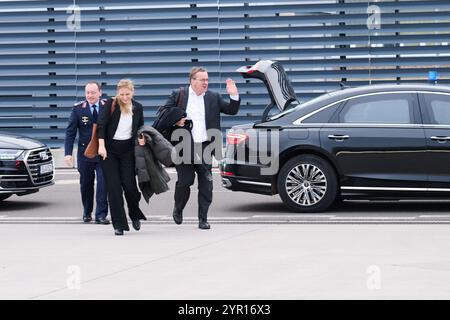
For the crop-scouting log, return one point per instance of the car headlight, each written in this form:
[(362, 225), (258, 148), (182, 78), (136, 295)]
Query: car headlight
[(10, 154)]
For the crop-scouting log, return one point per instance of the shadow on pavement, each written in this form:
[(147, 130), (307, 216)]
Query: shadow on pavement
[(360, 207), (17, 205), (266, 207), (392, 207)]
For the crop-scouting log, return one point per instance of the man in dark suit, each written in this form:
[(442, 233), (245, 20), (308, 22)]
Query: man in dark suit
[(84, 115), (203, 109)]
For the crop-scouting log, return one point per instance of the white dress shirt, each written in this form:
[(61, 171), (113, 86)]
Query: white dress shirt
[(195, 111), (123, 131)]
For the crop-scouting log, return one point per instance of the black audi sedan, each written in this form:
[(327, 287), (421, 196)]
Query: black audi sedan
[(372, 142), (26, 165)]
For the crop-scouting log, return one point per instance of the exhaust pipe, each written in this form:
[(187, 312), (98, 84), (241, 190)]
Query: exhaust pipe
[(226, 183)]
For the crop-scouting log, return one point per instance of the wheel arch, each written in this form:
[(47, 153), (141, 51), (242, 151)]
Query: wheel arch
[(292, 152)]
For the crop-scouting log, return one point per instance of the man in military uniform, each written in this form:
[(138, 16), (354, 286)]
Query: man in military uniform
[(84, 115)]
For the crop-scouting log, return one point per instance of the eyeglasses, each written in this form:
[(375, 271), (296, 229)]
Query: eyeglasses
[(202, 80)]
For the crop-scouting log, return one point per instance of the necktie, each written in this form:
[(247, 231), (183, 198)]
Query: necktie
[(95, 114)]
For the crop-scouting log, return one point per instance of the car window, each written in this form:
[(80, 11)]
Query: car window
[(379, 109), (323, 116), (439, 108), (301, 106)]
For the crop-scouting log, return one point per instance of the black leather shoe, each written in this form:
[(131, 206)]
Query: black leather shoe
[(136, 224), (204, 225), (118, 232), (87, 219), (177, 216), (102, 221)]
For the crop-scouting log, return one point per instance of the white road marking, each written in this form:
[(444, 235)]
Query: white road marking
[(295, 216), (214, 191), (58, 173), (148, 217), (228, 218), (209, 218), (64, 182), (373, 218), (156, 216), (40, 218), (435, 216), (224, 220)]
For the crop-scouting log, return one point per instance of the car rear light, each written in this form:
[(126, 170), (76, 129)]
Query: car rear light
[(245, 69), (236, 138), (226, 174)]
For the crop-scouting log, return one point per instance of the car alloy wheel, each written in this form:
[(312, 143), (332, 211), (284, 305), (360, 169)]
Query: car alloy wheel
[(306, 184)]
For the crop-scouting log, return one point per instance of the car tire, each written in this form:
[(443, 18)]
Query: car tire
[(307, 183), (4, 196)]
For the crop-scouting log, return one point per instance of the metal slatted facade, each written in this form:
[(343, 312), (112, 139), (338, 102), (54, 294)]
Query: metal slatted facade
[(45, 59)]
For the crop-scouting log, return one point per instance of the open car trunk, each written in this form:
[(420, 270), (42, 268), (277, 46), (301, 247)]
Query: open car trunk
[(273, 75)]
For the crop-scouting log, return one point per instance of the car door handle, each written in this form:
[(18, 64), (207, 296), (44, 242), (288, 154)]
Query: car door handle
[(338, 137), (441, 139)]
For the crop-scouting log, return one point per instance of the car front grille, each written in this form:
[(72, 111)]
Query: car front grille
[(35, 160)]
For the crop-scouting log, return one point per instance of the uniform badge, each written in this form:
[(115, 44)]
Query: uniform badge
[(85, 119)]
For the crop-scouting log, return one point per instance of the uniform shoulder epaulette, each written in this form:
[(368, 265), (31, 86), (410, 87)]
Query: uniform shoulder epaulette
[(80, 104)]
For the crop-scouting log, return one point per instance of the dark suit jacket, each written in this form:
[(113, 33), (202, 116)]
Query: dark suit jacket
[(81, 121), (214, 106), (107, 123)]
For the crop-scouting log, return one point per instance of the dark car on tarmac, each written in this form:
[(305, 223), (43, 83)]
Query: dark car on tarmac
[(372, 142), (26, 165)]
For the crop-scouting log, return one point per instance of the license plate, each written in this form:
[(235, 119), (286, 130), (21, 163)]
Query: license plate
[(46, 168)]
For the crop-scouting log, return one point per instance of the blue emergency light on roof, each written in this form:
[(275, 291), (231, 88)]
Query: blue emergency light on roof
[(432, 76)]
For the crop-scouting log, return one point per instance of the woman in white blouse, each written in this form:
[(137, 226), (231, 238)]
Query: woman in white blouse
[(117, 132)]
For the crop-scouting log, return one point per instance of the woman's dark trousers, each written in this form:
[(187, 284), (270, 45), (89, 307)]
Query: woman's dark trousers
[(120, 177)]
